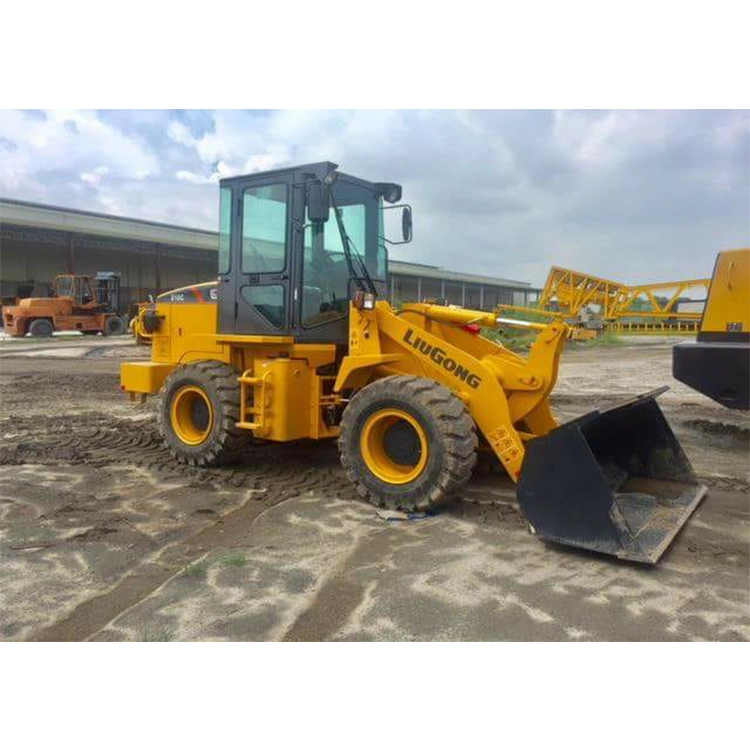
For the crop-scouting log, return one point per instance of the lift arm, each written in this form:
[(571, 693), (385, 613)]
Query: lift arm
[(505, 393)]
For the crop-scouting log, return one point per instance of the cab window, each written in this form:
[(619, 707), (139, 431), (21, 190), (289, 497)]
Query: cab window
[(267, 300), (84, 295), (65, 286), (325, 285), (264, 228)]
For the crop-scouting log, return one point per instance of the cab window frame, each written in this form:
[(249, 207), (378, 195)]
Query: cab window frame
[(224, 261)]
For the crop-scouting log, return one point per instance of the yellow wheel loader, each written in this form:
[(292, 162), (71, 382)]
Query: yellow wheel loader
[(717, 363), (295, 340), (138, 326)]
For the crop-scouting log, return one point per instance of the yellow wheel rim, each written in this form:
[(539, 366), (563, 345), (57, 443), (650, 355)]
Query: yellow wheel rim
[(192, 415), (394, 446)]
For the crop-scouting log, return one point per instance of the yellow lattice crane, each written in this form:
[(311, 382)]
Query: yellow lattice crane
[(588, 302), (573, 291)]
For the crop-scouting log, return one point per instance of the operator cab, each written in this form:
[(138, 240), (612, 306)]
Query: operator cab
[(78, 288), (296, 244), (105, 293)]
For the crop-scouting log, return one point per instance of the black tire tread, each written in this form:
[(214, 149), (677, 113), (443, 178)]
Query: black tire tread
[(49, 327), (121, 325), (456, 428), (231, 441)]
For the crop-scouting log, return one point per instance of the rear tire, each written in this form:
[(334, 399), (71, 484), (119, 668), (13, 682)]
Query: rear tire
[(114, 326), (407, 443), (198, 411), (41, 328)]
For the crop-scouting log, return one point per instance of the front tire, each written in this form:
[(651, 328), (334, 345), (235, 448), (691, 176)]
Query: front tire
[(407, 443), (114, 326), (198, 411), (41, 328)]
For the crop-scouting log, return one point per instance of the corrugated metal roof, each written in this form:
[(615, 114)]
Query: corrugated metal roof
[(435, 272), (41, 215)]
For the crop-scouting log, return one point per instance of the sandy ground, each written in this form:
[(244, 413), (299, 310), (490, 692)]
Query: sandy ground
[(103, 537)]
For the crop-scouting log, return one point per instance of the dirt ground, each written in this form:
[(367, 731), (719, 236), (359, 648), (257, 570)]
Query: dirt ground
[(104, 537)]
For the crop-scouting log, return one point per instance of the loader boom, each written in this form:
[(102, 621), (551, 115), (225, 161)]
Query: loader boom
[(506, 394)]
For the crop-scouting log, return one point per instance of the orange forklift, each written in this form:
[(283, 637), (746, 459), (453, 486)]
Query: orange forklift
[(78, 303)]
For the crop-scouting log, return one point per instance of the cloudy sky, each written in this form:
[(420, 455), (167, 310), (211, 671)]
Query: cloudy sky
[(634, 196)]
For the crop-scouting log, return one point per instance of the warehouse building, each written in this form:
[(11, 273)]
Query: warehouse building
[(415, 281), (38, 241)]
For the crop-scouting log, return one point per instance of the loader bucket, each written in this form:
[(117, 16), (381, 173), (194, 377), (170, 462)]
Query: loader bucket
[(614, 481)]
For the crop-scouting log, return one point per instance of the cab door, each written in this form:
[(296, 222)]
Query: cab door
[(262, 240)]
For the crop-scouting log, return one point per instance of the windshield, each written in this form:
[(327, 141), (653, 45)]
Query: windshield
[(326, 268), (361, 217), (64, 286)]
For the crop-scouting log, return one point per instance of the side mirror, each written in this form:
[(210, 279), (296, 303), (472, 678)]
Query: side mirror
[(318, 202), (406, 225), (406, 228)]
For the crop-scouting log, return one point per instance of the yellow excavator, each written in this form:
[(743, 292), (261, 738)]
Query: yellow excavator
[(295, 340)]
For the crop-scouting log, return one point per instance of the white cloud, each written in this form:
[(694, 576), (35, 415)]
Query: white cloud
[(236, 145), (194, 178), (630, 195), (110, 204), (73, 141), (95, 176), (180, 133)]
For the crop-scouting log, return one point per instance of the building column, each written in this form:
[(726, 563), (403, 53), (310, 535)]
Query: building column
[(481, 297), (157, 270), (419, 288), (71, 255), (463, 294), (140, 277)]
